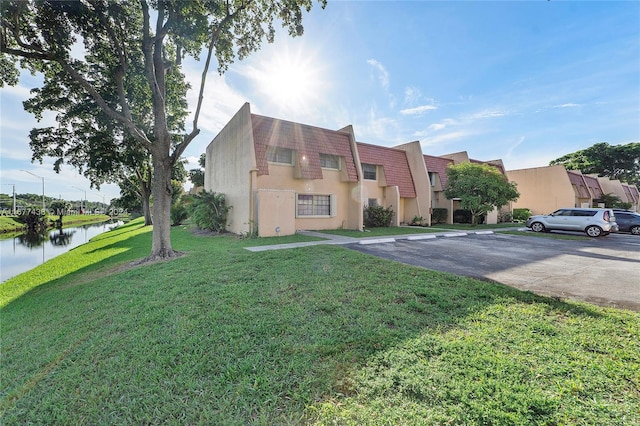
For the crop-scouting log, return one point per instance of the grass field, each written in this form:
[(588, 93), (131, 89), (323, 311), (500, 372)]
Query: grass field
[(316, 335)]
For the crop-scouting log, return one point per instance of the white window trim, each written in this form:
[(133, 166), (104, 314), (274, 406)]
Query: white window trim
[(332, 168), (293, 156), (363, 172), (332, 206)]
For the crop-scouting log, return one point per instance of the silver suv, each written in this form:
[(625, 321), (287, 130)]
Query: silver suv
[(594, 222)]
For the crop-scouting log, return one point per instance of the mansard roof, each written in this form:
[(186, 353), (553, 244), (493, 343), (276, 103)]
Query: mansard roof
[(307, 141), (438, 165), (395, 165)]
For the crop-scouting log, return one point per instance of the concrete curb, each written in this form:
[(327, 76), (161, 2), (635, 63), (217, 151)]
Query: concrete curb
[(333, 240), (377, 240), (455, 234), (420, 237)]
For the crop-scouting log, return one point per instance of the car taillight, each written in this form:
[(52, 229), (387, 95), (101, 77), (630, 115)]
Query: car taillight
[(606, 216)]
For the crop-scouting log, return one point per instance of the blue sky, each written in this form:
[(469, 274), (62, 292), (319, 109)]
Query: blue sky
[(525, 82)]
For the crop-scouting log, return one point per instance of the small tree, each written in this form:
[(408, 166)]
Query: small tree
[(209, 211), (196, 176), (613, 201), (59, 208), (480, 188)]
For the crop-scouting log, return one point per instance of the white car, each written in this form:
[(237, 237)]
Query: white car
[(594, 222)]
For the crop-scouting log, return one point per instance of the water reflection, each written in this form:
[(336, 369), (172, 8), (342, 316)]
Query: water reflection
[(31, 249), (33, 239), (61, 238)]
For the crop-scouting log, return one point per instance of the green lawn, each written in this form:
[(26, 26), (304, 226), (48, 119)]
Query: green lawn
[(316, 335)]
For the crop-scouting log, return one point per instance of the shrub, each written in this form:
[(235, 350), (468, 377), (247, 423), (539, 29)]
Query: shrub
[(439, 215), (36, 220), (417, 221), (209, 211), (462, 216), (505, 216), (179, 214), (377, 216), (521, 215)]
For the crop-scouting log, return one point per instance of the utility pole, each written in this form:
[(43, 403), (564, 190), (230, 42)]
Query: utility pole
[(39, 177), (13, 211), (85, 198)]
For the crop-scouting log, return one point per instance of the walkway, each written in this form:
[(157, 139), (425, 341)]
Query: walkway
[(340, 239)]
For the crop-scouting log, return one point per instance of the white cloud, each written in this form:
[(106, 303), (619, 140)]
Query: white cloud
[(568, 105), (377, 129), (383, 75), (445, 138), (486, 114), (412, 95), (418, 110), (437, 126), (514, 146)]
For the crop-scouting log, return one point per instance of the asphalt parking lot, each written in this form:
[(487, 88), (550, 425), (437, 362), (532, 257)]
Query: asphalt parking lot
[(604, 271)]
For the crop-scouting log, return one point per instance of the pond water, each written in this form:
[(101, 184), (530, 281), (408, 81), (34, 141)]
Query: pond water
[(26, 251)]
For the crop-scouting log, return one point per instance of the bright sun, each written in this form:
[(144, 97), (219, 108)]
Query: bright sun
[(290, 81)]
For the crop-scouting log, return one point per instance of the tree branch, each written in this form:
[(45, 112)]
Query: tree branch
[(215, 35)]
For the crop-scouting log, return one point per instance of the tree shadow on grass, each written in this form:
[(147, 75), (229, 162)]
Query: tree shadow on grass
[(225, 336)]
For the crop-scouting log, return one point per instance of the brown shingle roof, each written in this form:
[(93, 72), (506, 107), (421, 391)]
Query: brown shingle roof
[(308, 142), (438, 165), (634, 192), (593, 185), (395, 165), (627, 192), (577, 180)]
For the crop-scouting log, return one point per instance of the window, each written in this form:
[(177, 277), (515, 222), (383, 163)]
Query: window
[(276, 154), (314, 205), (372, 202), (330, 161), (432, 178), (369, 171)]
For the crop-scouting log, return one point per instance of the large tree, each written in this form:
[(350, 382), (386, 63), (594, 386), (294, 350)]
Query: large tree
[(99, 147), (43, 36), (480, 188), (614, 161)]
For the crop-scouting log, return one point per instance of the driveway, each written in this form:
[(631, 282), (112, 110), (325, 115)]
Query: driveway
[(604, 271)]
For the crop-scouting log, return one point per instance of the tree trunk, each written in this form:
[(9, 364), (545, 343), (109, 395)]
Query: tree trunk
[(146, 207), (161, 191)]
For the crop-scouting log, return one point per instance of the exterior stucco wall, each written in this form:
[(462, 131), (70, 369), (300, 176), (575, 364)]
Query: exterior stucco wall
[(543, 189), (276, 212), (611, 186), (457, 157), (281, 177), (229, 162), (420, 205), (356, 199)]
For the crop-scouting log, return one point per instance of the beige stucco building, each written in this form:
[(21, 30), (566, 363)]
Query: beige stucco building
[(281, 177), (437, 167), (546, 189)]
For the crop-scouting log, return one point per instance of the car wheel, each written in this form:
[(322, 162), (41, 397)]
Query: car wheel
[(593, 231), (537, 227), (635, 230)]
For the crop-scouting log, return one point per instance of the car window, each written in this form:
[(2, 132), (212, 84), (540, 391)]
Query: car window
[(583, 213), (561, 212)]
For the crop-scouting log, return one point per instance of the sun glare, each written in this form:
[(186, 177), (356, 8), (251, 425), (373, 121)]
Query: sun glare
[(290, 80)]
